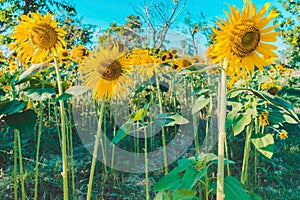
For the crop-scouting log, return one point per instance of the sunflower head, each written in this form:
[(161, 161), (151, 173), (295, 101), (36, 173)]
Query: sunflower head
[(79, 53), (38, 37), (106, 72), (243, 40), (283, 135), (147, 62), (180, 63)]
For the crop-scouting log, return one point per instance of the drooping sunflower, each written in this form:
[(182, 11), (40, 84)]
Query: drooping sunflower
[(263, 119), (244, 39), (106, 72), (147, 64), (38, 37)]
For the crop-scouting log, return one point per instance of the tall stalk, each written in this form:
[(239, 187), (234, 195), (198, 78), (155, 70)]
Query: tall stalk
[(247, 148), (21, 165), (195, 126), (36, 179), (15, 166), (146, 162), (63, 132), (71, 153), (163, 136), (95, 153), (222, 135)]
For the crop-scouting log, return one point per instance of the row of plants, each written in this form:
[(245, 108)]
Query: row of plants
[(181, 130)]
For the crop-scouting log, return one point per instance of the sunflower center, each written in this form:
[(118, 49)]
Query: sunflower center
[(245, 38), (110, 70), (43, 36)]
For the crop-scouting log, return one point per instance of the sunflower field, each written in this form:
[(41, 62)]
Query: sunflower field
[(145, 109)]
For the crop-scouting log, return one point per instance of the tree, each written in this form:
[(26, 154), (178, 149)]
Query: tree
[(196, 25), (130, 34), (158, 18), (290, 31)]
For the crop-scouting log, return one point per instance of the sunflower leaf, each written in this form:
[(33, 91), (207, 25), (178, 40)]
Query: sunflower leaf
[(23, 121), (264, 144), (11, 107), (40, 94), (200, 103)]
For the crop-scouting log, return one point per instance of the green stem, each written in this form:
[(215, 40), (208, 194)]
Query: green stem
[(196, 138), (222, 135), (247, 149), (63, 132), (255, 166), (21, 165), (206, 187), (227, 157), (36, 180), (113, 146), (195, 126), (95, 153), (15, 166), (163, 136), (146, 163), (71, 154)]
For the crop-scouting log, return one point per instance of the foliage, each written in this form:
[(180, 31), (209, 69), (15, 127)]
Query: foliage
[(290, 31)]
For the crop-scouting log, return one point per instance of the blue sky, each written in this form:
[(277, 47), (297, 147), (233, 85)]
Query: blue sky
[(103, 12)]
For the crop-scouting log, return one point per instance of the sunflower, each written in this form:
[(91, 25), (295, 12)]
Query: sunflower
[(79, 53), (180, 63), (147, 64), (38, 37), (64, 55), (244, 39), (283, 135), (105, 71), (271, 87), (263, 119)]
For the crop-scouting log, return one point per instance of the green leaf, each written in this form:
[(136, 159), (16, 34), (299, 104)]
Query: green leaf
[(24, 121), (235, 93), (264, 144), (206, 158), (178, 119), (162, 195), (122, 132), (184, 194), (138, 115), (40, 94), (276, 117), (233, 189), (63, 97), (200, 103), (11, 107), (170, 181), (276, 101), (289, 119), (170, 119), (184, 164), (77, 90), (232, 114), (272, 99), (162, 119), (191, 176), (2, 92), (242, 121)]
